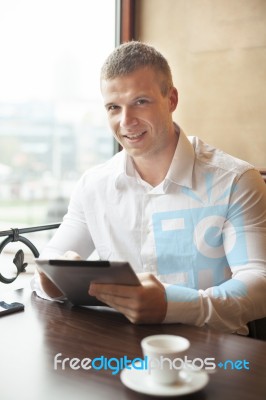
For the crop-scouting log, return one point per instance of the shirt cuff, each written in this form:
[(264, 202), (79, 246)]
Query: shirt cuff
[(184, 305)]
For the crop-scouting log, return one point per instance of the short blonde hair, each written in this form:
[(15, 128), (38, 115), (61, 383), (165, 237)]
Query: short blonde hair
[(130, 56)]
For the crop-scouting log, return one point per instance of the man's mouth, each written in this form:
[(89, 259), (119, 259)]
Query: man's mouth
[(135, 136)]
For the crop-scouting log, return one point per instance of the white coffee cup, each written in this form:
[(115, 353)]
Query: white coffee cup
[(165, 355)]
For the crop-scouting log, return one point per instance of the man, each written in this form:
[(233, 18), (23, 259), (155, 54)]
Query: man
[(190, 219)]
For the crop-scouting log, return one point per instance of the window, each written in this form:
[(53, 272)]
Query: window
[(52, 121)]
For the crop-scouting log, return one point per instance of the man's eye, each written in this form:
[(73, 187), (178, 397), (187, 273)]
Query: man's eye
[(141, 101), (112, 107)]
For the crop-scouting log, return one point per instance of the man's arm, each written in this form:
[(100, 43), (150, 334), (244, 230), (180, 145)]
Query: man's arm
[(227, 307), (72, 234)]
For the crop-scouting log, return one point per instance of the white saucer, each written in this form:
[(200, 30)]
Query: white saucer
[(140, 381)]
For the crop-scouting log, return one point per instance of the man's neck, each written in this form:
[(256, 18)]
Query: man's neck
[(153, 170)]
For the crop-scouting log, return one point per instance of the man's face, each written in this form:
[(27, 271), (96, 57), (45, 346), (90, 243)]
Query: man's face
[(139, 115)]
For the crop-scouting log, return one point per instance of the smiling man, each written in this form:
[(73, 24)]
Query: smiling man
[(190, 219), (139, 107)]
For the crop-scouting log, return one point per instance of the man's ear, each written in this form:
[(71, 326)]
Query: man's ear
[(173, 99)]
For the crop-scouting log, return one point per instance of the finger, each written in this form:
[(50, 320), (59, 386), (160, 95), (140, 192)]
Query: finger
[(115, 302), (124, 291), (122, 305), (146, 277), (125, 297)]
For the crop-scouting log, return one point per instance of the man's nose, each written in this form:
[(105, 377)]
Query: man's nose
[(128, 118)]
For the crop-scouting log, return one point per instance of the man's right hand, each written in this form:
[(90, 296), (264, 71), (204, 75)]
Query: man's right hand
[(47, 285)]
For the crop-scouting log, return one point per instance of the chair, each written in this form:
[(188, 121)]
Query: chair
[(257, 328)]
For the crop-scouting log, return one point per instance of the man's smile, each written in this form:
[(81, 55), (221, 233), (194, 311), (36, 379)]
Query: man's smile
[(134, 137)]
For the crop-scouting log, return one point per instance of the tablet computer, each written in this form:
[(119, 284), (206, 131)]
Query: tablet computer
[(73, 277)]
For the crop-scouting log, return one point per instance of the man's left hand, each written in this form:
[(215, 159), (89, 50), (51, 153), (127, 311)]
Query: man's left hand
[(144, 304)]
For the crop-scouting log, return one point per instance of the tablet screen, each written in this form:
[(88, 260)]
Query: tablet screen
[(73, 277)]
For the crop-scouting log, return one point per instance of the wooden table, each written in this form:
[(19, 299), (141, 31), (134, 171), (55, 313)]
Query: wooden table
[(31, 339)]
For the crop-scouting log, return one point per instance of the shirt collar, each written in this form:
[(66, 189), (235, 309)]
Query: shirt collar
[(124, 168), (181, 168), (179, 173)]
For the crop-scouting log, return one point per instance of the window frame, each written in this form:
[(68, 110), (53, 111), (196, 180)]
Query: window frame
[(125, 31), (125, 21)]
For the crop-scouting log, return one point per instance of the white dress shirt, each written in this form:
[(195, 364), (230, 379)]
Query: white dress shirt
[(201, 232)]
